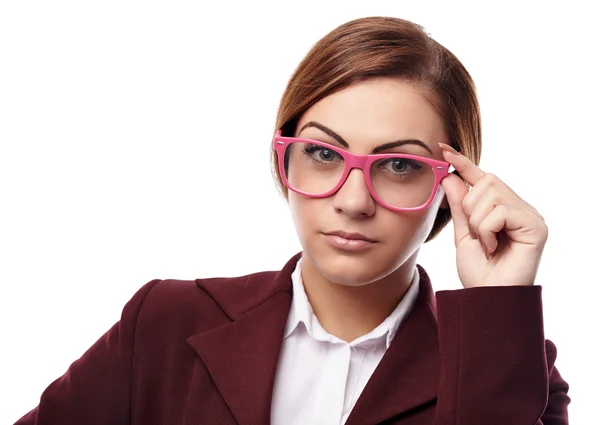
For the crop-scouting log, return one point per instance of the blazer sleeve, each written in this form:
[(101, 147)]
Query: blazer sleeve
[(96, 388), (496, 366)]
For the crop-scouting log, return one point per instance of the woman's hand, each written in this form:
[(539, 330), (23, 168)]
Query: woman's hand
[(499, 237)]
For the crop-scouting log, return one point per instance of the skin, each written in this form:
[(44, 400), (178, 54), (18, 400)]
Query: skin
[(499, 238), (352, 293)]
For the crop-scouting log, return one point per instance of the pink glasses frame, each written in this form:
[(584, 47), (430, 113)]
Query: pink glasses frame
[(362, 162)]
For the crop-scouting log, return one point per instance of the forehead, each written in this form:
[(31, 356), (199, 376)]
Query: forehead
[(377, 111)]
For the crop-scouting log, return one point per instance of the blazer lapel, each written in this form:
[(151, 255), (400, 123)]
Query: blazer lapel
[(242, 356), (408, 375)]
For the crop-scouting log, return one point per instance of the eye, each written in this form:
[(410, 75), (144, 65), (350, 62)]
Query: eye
[(400, 166), (326, 154), (321, 153)]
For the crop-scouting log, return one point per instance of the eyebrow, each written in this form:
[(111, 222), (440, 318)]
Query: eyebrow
[(379, 148)]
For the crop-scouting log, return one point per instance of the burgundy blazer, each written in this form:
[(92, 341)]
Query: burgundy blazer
[(206, 351)]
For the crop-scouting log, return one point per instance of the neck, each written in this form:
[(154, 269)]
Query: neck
[(349, 312)]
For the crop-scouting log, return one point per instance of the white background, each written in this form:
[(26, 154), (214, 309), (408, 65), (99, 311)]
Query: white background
[(134, 144)]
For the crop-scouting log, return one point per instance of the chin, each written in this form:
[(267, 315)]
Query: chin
[(352, 269)]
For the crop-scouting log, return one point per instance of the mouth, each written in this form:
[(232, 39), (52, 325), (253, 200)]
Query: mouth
[(349, 241), (351, 236)]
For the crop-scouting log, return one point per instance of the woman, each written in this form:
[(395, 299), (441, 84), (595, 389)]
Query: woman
[(349, 331)]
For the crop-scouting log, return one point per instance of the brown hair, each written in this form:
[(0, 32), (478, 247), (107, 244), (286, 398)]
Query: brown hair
[(377, 47)]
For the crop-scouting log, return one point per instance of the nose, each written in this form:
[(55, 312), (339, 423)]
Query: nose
[(354, 198)]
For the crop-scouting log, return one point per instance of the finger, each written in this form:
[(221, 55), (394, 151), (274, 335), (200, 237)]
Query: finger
[(525, 227), (489, 227), (519, 225), (470, 172), (477, 214), (492, 187), (480, 194), (455, 192)]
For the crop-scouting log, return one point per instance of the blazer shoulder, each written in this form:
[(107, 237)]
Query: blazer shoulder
[(177, 304), (194, 306)]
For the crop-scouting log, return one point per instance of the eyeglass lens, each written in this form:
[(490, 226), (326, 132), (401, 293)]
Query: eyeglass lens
[(398, 182)]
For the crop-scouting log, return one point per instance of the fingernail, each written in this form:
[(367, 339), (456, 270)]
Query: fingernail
[(448, 148)]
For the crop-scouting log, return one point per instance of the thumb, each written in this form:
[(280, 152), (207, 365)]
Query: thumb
[(456, 190)]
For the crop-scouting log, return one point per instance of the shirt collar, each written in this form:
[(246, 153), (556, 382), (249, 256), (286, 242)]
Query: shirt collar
[(301, 312)]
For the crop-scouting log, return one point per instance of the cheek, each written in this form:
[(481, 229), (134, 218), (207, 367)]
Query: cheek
[(405, 228), (402, 231), (427, 219), (304, 211), (410, 229)]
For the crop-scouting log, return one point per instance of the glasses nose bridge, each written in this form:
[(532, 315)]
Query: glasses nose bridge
[(357, 161)]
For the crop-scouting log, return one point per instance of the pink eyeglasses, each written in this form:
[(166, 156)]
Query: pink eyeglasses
[(399, 182)]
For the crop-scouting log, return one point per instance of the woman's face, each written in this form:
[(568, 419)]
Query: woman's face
[(366, 115)]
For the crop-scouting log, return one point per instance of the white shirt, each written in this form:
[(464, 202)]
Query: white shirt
[(319, 376)]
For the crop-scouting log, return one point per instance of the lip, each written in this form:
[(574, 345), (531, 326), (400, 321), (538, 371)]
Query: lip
[(349, 241), (351, 236)]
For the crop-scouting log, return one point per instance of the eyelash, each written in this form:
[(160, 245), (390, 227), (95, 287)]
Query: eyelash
[(310, 149), (414, 166)]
